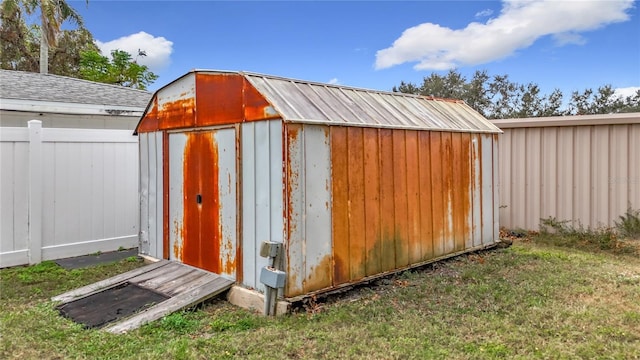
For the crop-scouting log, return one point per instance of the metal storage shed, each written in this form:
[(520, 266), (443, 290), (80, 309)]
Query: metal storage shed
[(354, 183)]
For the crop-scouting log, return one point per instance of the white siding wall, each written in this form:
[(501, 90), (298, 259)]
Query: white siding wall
[(70, 121), (580, 168), (262, 194), (82, 196)]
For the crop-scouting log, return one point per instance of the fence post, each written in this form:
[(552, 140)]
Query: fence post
[(35, 191)]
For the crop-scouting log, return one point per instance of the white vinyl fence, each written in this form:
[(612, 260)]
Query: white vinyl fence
[(66, 192)]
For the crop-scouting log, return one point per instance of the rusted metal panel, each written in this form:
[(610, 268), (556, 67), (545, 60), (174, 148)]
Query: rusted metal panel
[(447, 192), (340, 205), (225, 140), (387, 214), (202, 200), (156, 199), (309, 257), (437, 193), (411, 200), (256, 107), (166, 192), (462, 183), (467, 190), (177, 145), (476, 190), (294, 193), (371, 172), (172, 107), (176, 104), (201, 227), (425, 195), (219, 99), (400, 198), (356, 223), (317, 208), (248, 206)]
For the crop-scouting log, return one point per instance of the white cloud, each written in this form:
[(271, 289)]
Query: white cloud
[(158, 49), (334, 81), (628, 91), (569, 38), (518, 26), (484, 13)]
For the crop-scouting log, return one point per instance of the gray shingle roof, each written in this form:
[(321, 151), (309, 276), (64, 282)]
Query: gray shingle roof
[(53, 88)]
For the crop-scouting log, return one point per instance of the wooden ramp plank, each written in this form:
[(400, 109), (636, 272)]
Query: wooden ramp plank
[(183, 300), (187, 286), (107, 283), (171, 266), (169, 287), (177, 275)]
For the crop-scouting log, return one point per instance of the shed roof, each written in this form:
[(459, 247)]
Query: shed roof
[(46, 89), (311, 102)]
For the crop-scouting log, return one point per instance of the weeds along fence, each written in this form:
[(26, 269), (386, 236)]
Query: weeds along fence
[(66, 192), (580, 168)]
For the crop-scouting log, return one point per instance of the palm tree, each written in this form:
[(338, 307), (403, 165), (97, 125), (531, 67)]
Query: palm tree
[(52, 14)]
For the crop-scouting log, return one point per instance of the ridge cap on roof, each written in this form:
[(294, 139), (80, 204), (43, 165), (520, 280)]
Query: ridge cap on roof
[(318, 83)]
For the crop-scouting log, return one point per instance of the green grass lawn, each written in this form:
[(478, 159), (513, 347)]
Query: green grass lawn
[(532, 300)]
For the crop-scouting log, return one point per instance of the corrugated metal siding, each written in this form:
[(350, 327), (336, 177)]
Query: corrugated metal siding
[(308, 209), (588, 173), (262, 194), (300, 101), (397, 198), (151, 198)]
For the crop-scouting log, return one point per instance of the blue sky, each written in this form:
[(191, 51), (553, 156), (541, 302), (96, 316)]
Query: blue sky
[(571, 45)]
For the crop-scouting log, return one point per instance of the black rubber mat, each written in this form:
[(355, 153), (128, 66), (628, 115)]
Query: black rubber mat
[(110, 305), (92, 260)]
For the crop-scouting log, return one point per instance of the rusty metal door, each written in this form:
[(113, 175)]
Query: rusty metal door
[(202, 200)]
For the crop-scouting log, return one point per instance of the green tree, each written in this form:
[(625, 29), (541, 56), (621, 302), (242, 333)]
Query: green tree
[(121, 69), (64, 59), (19, 48), (52, 14), (497, 97)]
